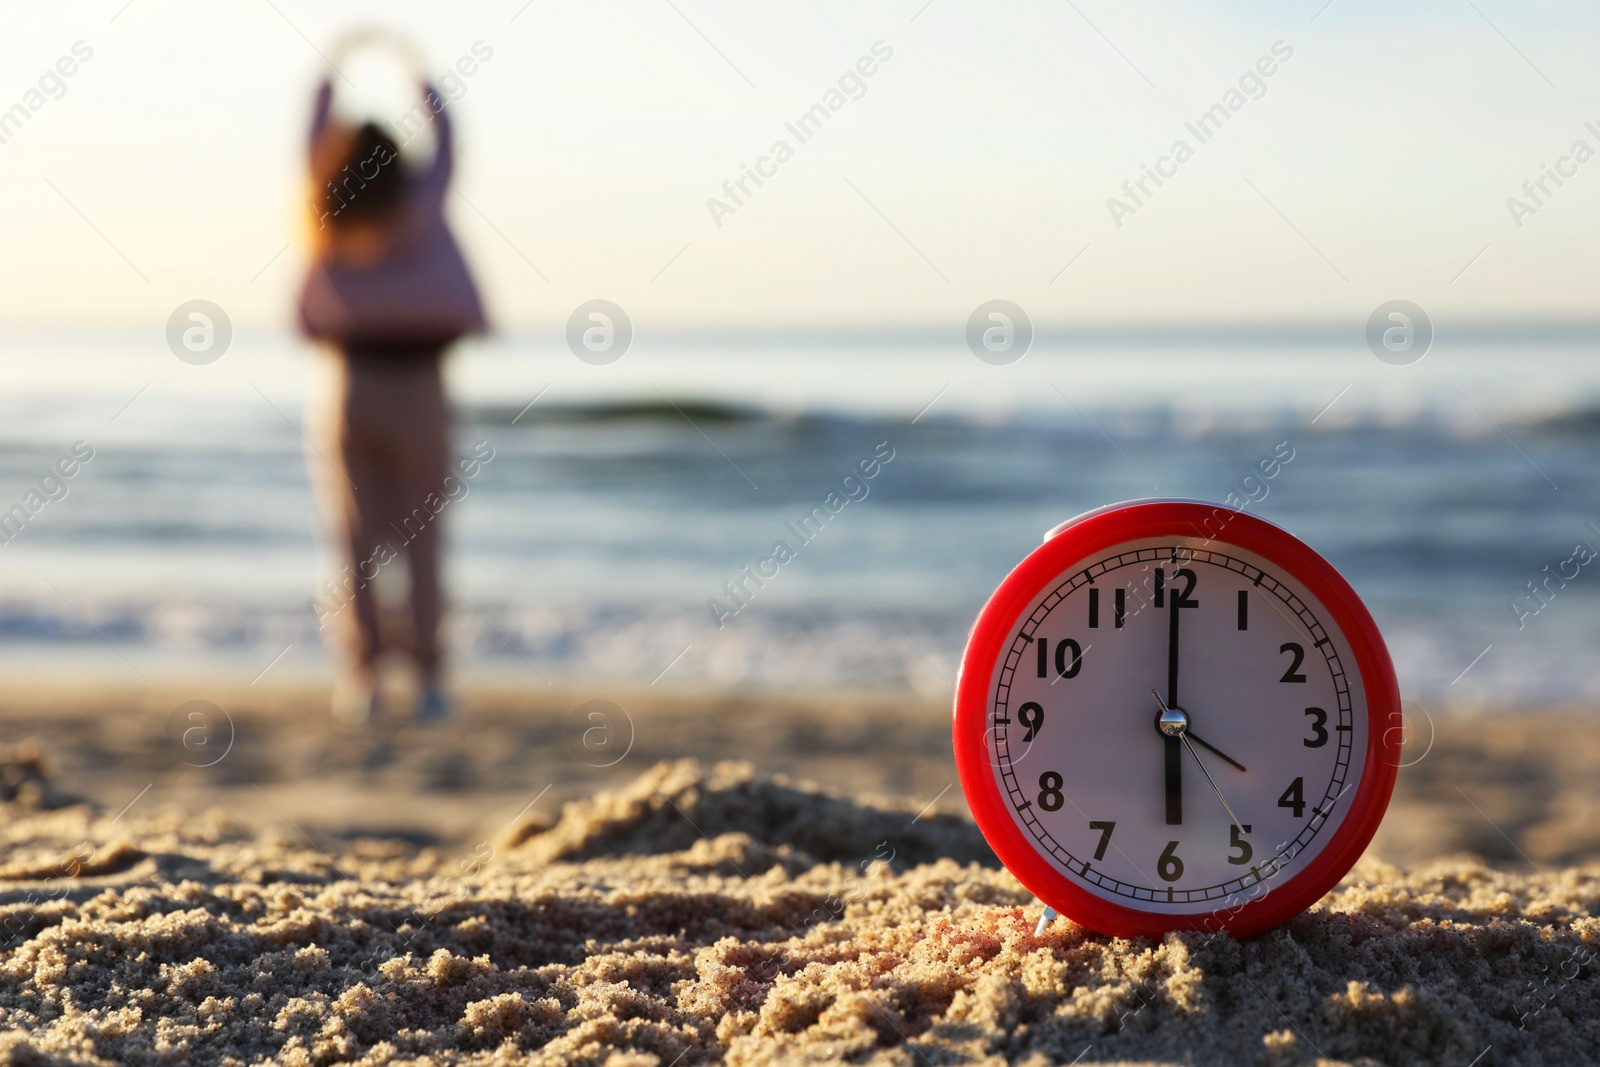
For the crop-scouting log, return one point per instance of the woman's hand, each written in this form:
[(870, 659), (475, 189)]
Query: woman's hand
[(379, 38)]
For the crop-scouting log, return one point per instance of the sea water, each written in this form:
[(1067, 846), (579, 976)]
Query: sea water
[(627, 529)]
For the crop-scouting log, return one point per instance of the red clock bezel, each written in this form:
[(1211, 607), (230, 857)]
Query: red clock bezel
[(1098, 531)]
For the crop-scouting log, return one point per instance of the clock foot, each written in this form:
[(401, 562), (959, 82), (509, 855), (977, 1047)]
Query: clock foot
[(1045, 920)]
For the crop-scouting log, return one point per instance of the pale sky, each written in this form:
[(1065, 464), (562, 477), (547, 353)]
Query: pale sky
[(978, 163)]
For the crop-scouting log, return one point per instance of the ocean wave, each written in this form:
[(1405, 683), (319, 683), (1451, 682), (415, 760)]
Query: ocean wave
[(811, 648)]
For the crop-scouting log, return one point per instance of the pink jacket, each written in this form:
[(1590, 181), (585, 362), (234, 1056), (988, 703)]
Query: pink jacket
[(419, 291)]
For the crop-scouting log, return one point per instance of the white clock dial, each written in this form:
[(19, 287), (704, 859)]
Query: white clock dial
[(1271, 703)]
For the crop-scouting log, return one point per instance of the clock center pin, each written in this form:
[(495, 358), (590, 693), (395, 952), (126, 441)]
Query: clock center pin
[(1173, 722)]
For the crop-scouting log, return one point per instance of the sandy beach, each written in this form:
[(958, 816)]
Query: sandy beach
[(497, 501), (483, 892)]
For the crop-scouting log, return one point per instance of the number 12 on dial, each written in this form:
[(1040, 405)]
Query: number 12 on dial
[(1172, 715)]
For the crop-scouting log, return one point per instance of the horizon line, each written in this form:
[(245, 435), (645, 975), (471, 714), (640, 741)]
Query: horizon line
[(1046, 334)]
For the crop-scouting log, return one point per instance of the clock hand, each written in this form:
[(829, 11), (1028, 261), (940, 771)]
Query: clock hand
[(1173, 747), (1173, 756), (1203, 743), (1172, 649), (1174, 725), (1184, 738)]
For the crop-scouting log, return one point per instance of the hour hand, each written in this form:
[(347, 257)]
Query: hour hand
[(1171, 718), (1174, 724), (1203, 743)]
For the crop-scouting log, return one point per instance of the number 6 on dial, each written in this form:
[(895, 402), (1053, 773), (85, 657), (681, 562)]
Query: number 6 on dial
[(1230, 727)]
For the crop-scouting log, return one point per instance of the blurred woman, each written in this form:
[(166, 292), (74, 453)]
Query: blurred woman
[(388, 291)]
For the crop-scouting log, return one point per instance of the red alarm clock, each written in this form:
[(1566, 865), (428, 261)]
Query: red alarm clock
[(1173, 715)]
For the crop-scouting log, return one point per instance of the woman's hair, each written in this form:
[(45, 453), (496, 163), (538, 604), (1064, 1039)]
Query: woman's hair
[(357, 178)]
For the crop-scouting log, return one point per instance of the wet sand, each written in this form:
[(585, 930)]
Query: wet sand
[(1515, 789), (484, 892)]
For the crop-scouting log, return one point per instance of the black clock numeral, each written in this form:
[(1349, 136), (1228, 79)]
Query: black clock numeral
[(1105, 829), (1050, 797), (1294, 797), (1032, 717), (1244, 609), (1169, 866), (1161, 587), (1319, 728), (1120, 607), (1293, 673), (1184, 599), (1063, 668), (1069, 658), (1094, 609), (1236, 840)]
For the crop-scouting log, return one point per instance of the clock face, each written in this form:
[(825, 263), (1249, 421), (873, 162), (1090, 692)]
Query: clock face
[(1173, 726)]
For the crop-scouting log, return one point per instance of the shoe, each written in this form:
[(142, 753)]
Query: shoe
[(433, 705), (355, 703)]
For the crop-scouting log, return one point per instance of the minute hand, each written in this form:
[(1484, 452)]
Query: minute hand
[(1173, 630)]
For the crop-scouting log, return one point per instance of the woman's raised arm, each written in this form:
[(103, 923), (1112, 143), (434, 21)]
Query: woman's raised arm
[(319, 112), (438, 176)]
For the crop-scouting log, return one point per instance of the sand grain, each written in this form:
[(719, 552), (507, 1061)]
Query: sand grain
[(706, 915)]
